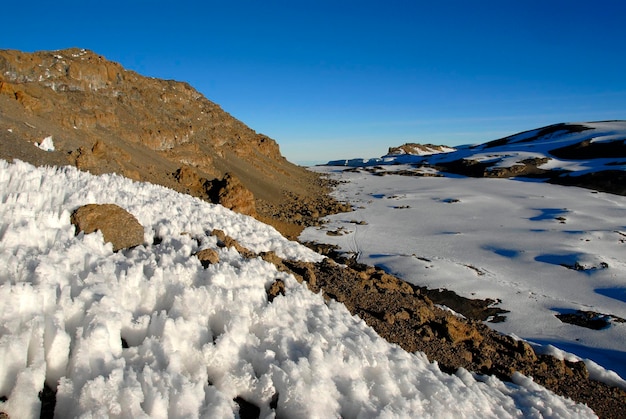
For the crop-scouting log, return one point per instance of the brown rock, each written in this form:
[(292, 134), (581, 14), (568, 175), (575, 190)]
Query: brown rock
[(460, 331), (101, 158), (276, 289), (227, 241), (230, 192), (527, 351), (194, 184), (118, 226), (271, 257), (399, 316), (403, 315), (302, 271), (208, 257)]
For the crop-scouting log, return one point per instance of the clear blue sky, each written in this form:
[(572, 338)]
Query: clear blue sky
[(342, 79)]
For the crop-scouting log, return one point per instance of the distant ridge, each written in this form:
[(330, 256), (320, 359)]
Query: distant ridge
[(419, 149), (585, 154)]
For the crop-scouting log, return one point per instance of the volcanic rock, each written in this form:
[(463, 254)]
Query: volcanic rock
[(419, 149)]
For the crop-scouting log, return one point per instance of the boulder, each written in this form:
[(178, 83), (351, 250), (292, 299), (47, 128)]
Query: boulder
[(230, 192), (118, 226)]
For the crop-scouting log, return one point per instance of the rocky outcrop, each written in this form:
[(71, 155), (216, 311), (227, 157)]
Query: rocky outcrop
[(118, 226), (419, 149), (230, 192), (227, 191)]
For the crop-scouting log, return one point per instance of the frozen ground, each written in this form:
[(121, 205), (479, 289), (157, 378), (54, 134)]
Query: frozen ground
[(541, 249), (198, 338)]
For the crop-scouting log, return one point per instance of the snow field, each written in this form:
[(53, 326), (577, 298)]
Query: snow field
[(500, 239), (148, 332)]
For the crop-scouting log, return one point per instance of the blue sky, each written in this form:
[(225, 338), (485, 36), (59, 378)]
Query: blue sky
[(343, 79)]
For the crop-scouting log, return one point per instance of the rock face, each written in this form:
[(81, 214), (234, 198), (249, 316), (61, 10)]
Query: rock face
[(106, 119), (118, 226)]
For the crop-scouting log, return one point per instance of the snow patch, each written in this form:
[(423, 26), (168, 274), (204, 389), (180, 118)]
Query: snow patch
[(46, 144)]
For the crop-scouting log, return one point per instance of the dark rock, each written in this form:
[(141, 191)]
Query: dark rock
[(247, 410), (276, 289), (589, 319), (48, 398)]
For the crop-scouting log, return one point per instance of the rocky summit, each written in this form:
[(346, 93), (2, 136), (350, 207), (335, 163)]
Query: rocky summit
[(103, 118)]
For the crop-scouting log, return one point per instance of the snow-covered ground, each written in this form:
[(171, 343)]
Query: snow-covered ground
[(198, 338), (501, 239)]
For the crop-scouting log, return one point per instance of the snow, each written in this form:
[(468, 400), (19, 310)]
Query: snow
[(46, 144), (502, 239), (196, 338)]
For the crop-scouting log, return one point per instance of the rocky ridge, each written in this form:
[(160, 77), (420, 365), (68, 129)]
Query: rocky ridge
[(419, 149), (590, 155)]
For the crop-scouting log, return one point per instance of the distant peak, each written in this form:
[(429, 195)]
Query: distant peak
[(419, 149)]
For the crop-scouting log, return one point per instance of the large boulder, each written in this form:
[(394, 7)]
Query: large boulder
[(230, 192), (118, 226)]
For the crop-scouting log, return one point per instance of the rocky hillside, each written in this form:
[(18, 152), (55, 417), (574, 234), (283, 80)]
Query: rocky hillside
[(103, 118), (591, 155)]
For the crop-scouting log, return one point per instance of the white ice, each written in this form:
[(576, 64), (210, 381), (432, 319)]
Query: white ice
[(47, 144)]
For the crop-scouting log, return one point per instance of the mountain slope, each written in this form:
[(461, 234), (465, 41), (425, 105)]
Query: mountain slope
[(104, 119)]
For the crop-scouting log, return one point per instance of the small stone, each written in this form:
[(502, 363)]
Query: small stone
[(208, 257), (403, 315), (276, 289)]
